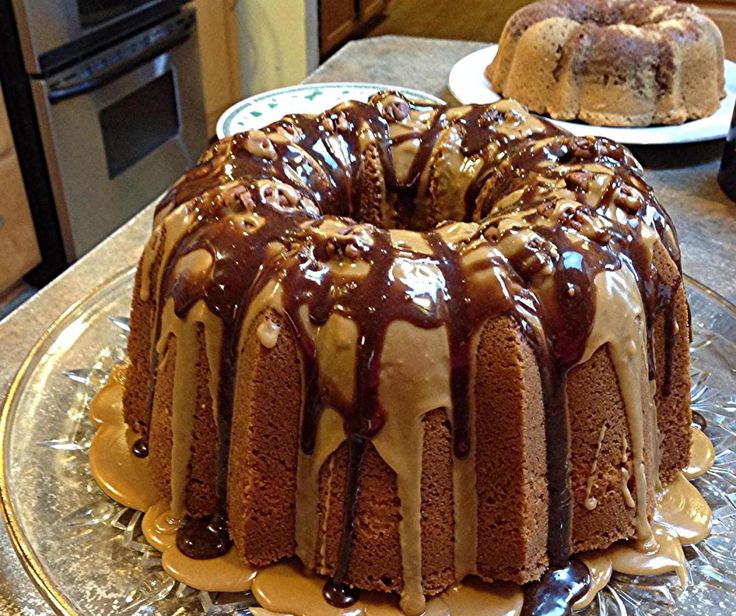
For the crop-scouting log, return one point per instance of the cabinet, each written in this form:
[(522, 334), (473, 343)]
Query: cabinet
[(340, 20), (18, 246), (6, 138), (218, 50), (370, 9)]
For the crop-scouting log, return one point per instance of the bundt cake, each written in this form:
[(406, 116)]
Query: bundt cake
[(408, 343), (611, 62)]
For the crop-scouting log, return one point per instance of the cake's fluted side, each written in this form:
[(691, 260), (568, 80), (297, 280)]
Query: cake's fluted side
[(308, 384)]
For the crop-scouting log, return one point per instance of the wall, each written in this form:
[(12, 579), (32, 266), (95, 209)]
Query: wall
[(219, 53), (278, 42)]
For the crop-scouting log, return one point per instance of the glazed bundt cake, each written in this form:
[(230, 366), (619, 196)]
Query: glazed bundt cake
[(611, 62), (409, 343)]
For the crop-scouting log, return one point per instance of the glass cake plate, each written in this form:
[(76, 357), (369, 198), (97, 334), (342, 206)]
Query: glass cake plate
[(86, 553)]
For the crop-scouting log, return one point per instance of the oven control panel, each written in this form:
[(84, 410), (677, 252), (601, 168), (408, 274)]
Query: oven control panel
[(121, 58)]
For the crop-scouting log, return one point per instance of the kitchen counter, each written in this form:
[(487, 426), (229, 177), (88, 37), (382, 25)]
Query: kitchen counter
[(684, 178)]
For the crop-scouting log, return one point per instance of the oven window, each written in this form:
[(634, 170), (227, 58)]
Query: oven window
[(95, 12), (140, 122)]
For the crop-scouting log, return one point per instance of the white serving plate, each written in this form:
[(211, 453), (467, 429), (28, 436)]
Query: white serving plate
[(469, 84), (262, 109)]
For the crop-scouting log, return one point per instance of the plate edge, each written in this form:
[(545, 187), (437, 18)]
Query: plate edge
[(22, 548), (220, 125)]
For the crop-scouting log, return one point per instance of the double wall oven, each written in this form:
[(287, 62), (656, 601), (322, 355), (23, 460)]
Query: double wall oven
[(107, 110)]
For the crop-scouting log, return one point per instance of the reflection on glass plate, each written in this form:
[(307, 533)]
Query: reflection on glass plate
[(87, 554)]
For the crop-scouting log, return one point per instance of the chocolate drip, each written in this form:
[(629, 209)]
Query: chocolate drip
[(557, 591), (369, 304), (461, 327), (311, 393), (204, 538), (700, 421), (407, 191), (658, 297), (226, 395), (568, 311), (557, 433), (340, 595), (140, 448), (336, 589)]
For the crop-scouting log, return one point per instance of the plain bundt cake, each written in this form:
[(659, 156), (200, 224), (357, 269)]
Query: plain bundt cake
[(611, 62), (320, 366)]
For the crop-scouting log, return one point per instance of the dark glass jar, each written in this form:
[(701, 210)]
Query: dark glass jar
[(727, 174)]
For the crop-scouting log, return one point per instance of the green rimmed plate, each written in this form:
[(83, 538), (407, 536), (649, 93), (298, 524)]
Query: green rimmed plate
[(313, 98)]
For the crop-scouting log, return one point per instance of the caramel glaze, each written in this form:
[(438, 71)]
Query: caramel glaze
[(682, 514), (581, 202)]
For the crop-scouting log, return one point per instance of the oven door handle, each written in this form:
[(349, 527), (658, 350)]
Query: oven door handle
[(58, 94)]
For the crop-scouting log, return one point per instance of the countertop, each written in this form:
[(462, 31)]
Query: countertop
[(684, 178)]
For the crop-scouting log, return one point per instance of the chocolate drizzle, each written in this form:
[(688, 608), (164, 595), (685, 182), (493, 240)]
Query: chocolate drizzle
[(279, 206), (140, 448), (461, 327), (340, 595), (233, 274), (572, 295), (336, 591), (700, 421), (204, 538)]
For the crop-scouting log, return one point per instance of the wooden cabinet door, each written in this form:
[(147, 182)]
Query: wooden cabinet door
[(337, 21), (723, 12), (218, 50), (18, 246), (370, 9), (6, 137)]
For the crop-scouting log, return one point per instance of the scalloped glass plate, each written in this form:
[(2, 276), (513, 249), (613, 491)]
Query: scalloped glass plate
[(86, 553)]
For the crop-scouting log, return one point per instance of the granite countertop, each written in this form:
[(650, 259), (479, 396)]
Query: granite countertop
[(684, 178)]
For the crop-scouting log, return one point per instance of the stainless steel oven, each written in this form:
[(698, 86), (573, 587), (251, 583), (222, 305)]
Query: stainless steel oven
[(55, 32), (106, 108), (119, 127)]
